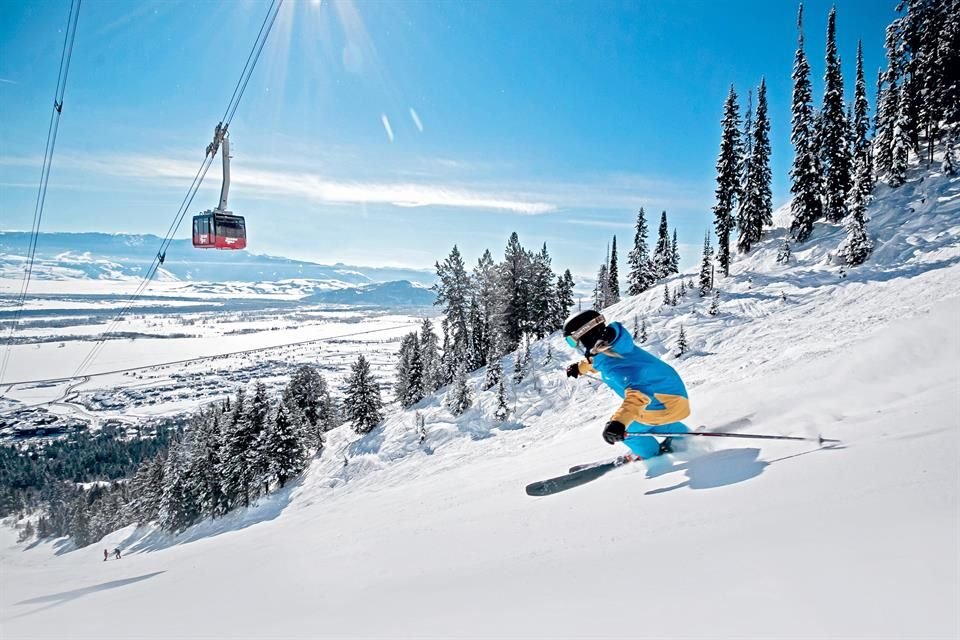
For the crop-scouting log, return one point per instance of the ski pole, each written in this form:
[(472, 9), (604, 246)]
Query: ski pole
[(719, 434)]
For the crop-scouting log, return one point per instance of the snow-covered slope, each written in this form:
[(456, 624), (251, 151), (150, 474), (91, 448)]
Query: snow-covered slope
[(745, 540)]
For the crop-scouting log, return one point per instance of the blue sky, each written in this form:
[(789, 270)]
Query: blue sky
[(385, 132)]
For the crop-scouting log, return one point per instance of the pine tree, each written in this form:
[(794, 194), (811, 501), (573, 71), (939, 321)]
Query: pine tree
[(502, 411), (949, 166), (674, 254), (408, 387), (643, 330), (715, 303), (307, 391), (805, 175), (887, 102), (662, 254), (362, 404), (458, 398), (179, 507), (601, 289), (516, 290), (429, 357), (834, 146), (453, 292), (641, 274), (239, 456), (666, 294), (901, 141), (613, 277), (728, 179), (284, 448), (681, 343), (743, 215), (521, 362), (564, 301), (494, 367), (756, 208), (636, 327), (706, 266), (856, 247), (783, 254), (488, 295), (861, 128), (542, 294)]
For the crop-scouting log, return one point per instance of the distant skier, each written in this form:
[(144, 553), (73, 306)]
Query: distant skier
[(106, 555), (116, 553), (654, 397)]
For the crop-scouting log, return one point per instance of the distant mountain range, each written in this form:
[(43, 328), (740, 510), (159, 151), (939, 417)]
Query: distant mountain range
[(63, 256)]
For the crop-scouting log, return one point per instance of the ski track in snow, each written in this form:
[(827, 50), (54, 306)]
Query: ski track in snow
[(730, 540)]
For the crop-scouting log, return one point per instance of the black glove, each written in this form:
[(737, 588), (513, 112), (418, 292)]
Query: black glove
[(573, 371), (614, 432)]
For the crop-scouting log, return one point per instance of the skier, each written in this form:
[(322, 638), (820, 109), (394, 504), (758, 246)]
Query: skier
[(116, 553), (105, 555), (654, 397)]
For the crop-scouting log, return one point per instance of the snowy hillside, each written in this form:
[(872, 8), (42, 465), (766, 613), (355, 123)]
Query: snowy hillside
[(387, 537)]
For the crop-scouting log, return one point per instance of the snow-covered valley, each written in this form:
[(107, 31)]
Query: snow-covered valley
[(384, 536)]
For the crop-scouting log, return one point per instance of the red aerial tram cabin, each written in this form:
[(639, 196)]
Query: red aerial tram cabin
[(219, 228)]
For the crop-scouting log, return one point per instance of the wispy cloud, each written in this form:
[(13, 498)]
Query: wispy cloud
[(600, 224), (313, 186)]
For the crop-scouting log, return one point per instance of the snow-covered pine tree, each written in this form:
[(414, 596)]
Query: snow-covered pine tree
[(636, 326), (715, 303), (681, 343), (494, 371), (887, 97), (600, 290), (666, 294), (675, 296), (856, 247), (420, 421), (362, 405), (488, 295), (834, 146), (521, 361), (430, 357), (403, 364), (643, 330), (861, 128), (179, 507), (706, 266), (743, 215), (949, 165), (728, 179), (453, 294), (683, 289), (284, 447), (613, 277), (205, 461), (239, 457), (662, 253), (949, 49), (641, 275), (458, 398), (502, 411), (806, 206), (448, 358), (308, 392), (146, 491), (542, 294), (674, 254), (901, 140), (515, 279), (756, 208), (783, 254), (564, 300)]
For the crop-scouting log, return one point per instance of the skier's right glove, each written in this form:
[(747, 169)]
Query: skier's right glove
[(614, 432), (573, 371)]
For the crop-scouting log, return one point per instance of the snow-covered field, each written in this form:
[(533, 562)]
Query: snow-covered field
[(169, 356), (742, 539)]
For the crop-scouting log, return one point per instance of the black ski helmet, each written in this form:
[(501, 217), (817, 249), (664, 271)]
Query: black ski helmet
[(585, 327)]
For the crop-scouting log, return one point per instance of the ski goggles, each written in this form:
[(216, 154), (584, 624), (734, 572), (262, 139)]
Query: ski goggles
[(574, 338)]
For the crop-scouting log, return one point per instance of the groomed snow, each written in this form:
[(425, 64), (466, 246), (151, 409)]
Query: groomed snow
[(751, 539)]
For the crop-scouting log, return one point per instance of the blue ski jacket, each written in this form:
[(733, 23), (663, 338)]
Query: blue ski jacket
[(652, 391)]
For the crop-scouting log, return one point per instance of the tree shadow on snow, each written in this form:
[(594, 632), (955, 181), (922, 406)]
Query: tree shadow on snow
[(56, 599)]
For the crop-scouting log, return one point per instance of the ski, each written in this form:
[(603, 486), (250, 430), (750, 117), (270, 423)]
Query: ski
[(619, 460), (576, 478)]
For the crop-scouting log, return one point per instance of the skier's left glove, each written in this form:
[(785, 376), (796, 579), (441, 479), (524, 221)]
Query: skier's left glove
[(614, 432), (573, 371)]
